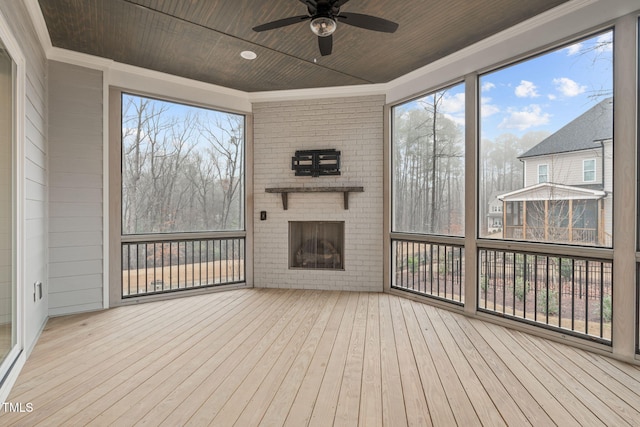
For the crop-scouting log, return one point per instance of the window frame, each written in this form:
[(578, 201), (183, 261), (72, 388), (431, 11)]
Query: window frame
[(243, 185), (117, 239), (585, 171), (392, 215), (546, 173), (473, 240), (15, 358)]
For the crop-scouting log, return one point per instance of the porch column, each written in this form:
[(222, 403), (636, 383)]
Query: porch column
[(601, 234), (546, 220), (570, 220), (524, 220), (504, 219), (624, 167)]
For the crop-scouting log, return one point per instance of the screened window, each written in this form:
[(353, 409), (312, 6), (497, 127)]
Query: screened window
[(589, 170), (543, 173), (8, 252), (182, 167), (428, 163), (543, 122)]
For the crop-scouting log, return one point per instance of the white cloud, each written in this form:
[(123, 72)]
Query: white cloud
[(526, 89), (487, 108), (453, 108), (524, 119), (605, 42), (552, 97), (487, 86), (453, 104), (568, 87), (574, 49)]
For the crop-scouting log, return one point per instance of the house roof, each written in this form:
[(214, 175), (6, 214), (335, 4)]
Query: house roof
[(584, 132), (551, 191)]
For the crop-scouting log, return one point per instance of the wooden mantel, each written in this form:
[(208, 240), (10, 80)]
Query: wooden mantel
[(284, 191)]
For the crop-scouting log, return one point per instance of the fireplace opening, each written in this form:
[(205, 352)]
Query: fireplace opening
[(316, 245)]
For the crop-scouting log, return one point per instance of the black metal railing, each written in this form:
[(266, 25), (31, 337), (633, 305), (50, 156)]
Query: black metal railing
[(430, 269), (561, 292), (159, 266)]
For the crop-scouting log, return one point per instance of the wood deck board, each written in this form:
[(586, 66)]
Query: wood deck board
[(493, 353), (439, 407), (415, 401), (393, 408), (195, 389), (484, 407), (324, 409), (574, 385), (120, 382), (83, 369), (203, 348), (294, 357), (464, 412), (574, 407), (612, 409)]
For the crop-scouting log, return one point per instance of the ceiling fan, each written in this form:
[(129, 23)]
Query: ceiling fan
[(324, 15)]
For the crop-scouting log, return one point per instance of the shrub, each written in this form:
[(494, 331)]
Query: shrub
[(607, 312), (566, 269), (414, 264), (484, 282), (552, 307), (520, 289)]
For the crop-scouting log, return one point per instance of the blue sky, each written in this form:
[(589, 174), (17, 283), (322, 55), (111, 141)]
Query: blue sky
[(542, 93), (548, 91)]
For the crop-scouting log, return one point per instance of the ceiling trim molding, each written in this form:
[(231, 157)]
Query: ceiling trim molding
[(319, 93), (35, 13), (143, 79)]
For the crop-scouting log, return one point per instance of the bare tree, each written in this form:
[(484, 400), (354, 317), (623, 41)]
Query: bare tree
[(182, 167)]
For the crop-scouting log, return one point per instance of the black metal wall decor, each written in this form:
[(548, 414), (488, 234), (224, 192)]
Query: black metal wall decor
[(316, 163)]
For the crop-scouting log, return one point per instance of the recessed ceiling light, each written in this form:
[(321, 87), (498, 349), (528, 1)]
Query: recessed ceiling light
[(247, 54)]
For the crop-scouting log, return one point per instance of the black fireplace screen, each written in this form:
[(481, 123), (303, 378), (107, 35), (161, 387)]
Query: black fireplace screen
[(316, 244)]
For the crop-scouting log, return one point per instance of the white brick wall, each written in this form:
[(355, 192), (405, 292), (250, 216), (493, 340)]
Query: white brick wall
[(350, 125)]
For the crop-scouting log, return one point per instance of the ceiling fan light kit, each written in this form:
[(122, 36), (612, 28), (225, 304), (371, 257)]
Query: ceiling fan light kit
[(323, 26), (324, 16)]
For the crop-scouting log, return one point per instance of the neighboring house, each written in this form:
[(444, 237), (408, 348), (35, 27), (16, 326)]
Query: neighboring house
[(494, 214), (567, 194)]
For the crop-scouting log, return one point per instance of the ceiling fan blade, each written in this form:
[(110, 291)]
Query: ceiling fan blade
[(368, 22), (338, 3), (281, 23), (326, 45), (312, 5)]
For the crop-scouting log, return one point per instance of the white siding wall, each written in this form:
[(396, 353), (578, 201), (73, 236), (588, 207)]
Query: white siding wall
[(75, 134), (564, 168), (351, 125), (35, 166)]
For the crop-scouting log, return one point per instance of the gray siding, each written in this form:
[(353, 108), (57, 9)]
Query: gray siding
[(76, 211), (35, 172)]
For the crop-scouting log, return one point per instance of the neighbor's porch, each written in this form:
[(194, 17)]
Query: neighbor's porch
[(296, 357), (558, 213)]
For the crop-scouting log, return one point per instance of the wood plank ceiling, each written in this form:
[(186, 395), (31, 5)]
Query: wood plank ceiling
[(202, 39)]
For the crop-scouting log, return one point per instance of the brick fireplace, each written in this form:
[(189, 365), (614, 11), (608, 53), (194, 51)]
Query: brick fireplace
[(352, 126)]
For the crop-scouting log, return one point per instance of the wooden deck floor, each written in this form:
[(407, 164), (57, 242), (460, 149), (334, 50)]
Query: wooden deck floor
[(285, 357)]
